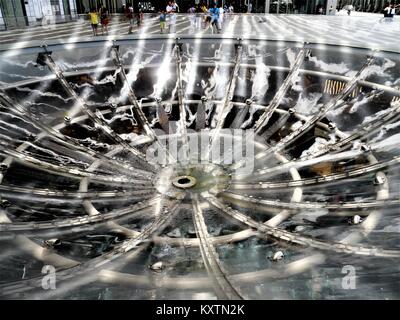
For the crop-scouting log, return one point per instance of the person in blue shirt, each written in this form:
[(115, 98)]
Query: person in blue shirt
[(163, 20), (215, 17)]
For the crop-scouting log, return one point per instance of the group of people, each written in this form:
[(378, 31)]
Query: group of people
[(389, 11), (101, 16), (130, 14), (169, 16), (201, 15)]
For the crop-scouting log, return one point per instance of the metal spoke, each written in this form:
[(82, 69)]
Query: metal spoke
[(222, 287), (299, 239), (182, 109), (79, 224), (64, 140), (227, 99), (296, 134), (366, 169), (46, 59), (280, 94), (72, 172), (353, 205), (138, 112)]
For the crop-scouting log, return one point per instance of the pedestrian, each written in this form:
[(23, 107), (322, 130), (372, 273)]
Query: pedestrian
[(192, 13), (139, 14), (123, 11), (171, 9), (129, 17), (215, 18), (198, 17), (221, 17), (163, 20), (94, 20), (104, 20), (175, 6), (388, 12)]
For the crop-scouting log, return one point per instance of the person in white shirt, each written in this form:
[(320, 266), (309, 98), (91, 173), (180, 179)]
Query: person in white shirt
[(389, 12), (171, 9)]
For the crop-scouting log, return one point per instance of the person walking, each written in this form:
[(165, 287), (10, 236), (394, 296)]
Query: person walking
[(129, 17), (171, 9), (214, 18), (94, 20), (192, 13), (389, 12), (104, 20), (139, 14), (198, 15), (163, 21)]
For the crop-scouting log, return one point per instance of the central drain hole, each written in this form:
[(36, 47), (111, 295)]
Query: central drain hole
[(184, 182)]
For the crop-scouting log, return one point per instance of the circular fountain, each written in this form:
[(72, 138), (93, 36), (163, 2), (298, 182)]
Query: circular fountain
[(239, 165)]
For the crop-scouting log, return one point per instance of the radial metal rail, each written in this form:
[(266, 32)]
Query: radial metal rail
[(320, 180), (280, 94), (182, 108), (75, 223), (38, 194), (296, 134), (312, 205), (362, 133), (46, 59), (297, 239), (137, 109), (64, 140), (90, 269), (222, 286), (227, 99), (72, 172)]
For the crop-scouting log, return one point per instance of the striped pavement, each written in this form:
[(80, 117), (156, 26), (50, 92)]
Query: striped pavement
[(362, 30)]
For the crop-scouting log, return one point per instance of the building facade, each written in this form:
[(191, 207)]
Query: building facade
[(113, 6), (21, 13)]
